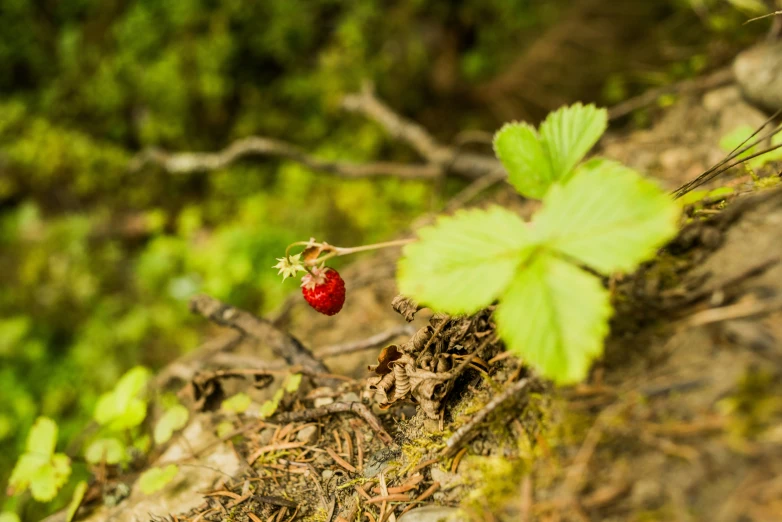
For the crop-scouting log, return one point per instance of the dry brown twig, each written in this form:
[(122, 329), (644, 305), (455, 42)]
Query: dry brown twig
[(281, 343), (365, 344), (337, 407), (456, 440)]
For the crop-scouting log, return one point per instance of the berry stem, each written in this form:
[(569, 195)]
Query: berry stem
[(335, 251)]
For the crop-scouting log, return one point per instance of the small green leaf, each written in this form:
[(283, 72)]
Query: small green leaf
[(607, 217), (464, 262), (554, 316), (8, 516), (42, 438), (110, 451), (78, 496), (268, 408), (131, 384), (224, 428), (172, 420), (292, 382), (737, 138), (568, 134), (121, 408), (522, 154), (50, 477), (155, 479), (236, 404)]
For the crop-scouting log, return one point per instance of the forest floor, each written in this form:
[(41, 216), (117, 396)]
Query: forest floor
[(679, 421)]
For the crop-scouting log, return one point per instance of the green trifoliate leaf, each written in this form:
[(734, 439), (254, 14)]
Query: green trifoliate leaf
[(464, 262), (172, 420), (42, 438), (268, 408), (155, 479), (554, 316), (110, 451), (607, 217), (237, 403), (521, 152), (49, 477), (568, 134), (78, 496), (39, 468)]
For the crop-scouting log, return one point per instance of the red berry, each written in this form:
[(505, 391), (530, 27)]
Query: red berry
[(324, 290)]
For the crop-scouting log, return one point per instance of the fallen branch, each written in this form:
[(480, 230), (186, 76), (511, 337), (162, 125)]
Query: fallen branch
[(257, 146), (282, 344), (337, 407), (451, 160), (365, 344)]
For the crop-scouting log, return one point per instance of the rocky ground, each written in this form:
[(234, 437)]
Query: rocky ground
[(679, 421)]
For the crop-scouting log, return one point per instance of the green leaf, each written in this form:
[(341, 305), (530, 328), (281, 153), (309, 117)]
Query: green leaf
[(554, 316), (237, 404), (122, 408), (49, 478), (78, 496), (110, 451), (155, 479), (522, 154), (131, 384), (268, 408), (568, 134), (292, 382), (42, 438), (9, 516), (172, 420), (607, 217), (224, 428), (464, 262)]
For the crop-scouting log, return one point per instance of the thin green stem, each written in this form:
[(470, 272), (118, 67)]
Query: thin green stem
[(334, 251)]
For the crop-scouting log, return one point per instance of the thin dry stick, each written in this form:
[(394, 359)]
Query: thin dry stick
[(338, 407), (453, 443), (364, 344), (339, 460), (423, 496), (719, 168), (775, 13), (741, 310), (716, 79)]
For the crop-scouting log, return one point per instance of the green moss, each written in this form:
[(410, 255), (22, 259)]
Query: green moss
[(491, 482), (755, 405)]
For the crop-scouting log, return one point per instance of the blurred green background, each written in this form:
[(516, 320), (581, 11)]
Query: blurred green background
[(97, 262)]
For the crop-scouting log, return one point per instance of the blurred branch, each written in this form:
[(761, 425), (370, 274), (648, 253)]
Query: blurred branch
[(440, 159), (716, 79), (452, 160), (398, 127), (255, 146)]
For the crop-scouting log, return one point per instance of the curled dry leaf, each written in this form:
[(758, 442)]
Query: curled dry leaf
[(405, 307), (425, 368)]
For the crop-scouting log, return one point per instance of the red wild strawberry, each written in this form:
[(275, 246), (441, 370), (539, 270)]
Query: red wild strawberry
[(324, 290)]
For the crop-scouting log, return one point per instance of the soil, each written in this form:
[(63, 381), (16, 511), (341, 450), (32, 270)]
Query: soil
[(679, 421)]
